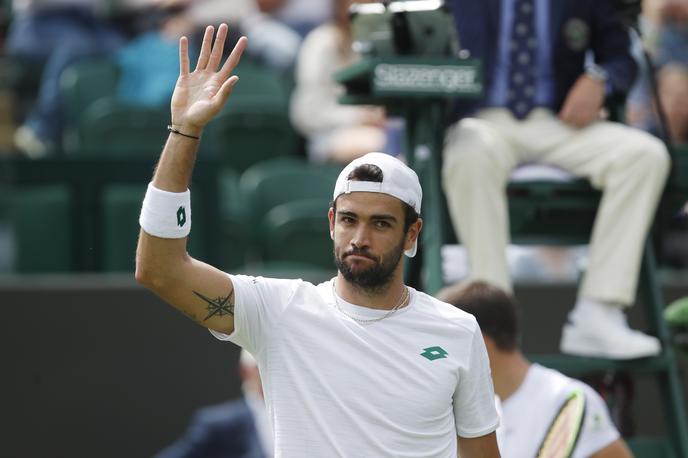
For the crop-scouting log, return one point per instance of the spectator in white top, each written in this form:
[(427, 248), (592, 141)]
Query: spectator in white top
[(523, 386), (335, 133)]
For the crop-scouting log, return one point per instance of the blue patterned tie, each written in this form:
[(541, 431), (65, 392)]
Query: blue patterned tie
[(521, 94)]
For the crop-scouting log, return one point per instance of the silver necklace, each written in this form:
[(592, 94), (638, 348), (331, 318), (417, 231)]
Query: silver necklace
[(405, 295)]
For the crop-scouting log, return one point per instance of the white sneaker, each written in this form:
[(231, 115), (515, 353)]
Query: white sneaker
[(606, 339)]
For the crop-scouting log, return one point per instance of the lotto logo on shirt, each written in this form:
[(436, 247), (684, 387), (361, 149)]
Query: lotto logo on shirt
[(433, 353)]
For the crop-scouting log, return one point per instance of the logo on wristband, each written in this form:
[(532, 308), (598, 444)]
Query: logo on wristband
[(181, 217)]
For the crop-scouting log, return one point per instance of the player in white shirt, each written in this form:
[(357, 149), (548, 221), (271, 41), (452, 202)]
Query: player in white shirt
[(360, 366), (532, 397)]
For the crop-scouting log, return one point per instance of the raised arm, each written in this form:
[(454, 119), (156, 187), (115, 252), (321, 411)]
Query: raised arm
[(200, 291)]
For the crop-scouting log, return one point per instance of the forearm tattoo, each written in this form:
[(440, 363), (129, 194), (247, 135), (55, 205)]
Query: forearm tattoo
[(220, 306)]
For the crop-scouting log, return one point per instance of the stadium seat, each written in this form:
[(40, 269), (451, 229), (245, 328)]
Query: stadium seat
[(254, 125), (248, 132), (237, 244), (41, 220), (81, 84), (260, 83), (271, 184), (298, 231), (109, 128), (121, 205), (278, 181)]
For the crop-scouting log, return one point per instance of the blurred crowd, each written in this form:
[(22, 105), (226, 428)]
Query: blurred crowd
[(46, 37), (140, 36), (43, 38), (304, 42)]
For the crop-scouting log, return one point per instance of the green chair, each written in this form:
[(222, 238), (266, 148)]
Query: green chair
[(43, 231), (247, 133), (110, 128), (298, 231), (81, 84), (254, 125), (542, 212), (121, 204), (237, 244), (274, 182), (271, 184), (120, 207), (261, 84)]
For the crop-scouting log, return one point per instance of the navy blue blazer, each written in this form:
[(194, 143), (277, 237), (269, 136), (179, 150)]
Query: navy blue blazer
[(222, 431), (576, 27)]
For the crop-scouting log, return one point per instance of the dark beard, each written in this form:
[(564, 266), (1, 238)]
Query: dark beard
[(375, 278)]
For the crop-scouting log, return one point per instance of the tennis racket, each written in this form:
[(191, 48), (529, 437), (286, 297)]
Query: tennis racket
[(563, 432)]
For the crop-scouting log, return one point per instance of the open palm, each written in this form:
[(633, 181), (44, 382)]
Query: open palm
[(200, 95)]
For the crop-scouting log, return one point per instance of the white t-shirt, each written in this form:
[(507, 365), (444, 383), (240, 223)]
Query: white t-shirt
[(256, 404), (404, 386), (527, 414)]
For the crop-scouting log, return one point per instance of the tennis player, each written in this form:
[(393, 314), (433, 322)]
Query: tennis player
[(359, 366), (565, 417)]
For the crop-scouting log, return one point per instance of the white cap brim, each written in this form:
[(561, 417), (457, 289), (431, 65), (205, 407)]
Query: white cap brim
[(412, 251)]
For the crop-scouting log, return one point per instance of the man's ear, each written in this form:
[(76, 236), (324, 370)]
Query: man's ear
[(330, 217), (413, 233)]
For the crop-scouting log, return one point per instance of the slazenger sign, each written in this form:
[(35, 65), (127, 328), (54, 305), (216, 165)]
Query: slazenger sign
[(439, 79)]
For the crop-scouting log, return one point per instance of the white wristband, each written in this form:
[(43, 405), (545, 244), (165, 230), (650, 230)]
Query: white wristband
[(166, 214)]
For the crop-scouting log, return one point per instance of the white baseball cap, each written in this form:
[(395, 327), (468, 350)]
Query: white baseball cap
[(398, 180)]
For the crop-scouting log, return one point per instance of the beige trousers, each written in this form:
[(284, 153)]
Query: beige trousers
[(628, 165)]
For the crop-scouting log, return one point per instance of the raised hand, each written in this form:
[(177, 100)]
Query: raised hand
[(583, 102), (201, 94)]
